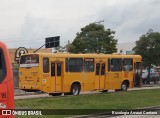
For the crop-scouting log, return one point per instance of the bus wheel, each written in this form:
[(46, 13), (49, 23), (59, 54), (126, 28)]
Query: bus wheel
[(75, 89), (124, 86)]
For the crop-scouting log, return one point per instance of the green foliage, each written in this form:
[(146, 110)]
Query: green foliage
[(111, 100), (15, 66), (148, 47), (94, 38)]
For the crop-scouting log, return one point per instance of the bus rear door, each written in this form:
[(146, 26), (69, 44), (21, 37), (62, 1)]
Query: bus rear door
[(137, 74), (100, 75), (56, 76)]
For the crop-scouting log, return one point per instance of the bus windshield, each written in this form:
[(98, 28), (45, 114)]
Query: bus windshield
[(29, 60)]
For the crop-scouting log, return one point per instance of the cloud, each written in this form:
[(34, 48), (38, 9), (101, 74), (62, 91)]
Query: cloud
[(130, 19), (28, 22)]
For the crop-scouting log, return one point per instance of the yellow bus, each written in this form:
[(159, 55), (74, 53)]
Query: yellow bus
[(72, 73)]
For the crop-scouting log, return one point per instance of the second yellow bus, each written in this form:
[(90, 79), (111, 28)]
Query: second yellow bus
[(72, 73)]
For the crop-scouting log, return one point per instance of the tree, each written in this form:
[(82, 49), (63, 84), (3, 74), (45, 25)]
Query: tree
[(148, 47), (94, 38)]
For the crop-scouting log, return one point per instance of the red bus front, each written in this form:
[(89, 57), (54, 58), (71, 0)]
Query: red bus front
[(6, 81)]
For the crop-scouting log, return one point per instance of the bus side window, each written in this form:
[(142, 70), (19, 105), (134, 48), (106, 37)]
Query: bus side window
[(127, 64), (116, 65), (53, 69), (109, 65), (66, 64), (103, 69), (75, 65), (88, 65), (46, 65), (2, 66), (59, 67), (97, 68)]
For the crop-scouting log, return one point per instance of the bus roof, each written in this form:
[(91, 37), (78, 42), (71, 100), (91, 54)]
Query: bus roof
[(63, 55)]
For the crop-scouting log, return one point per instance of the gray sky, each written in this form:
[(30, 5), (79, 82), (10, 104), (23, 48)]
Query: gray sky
[(26, 23)]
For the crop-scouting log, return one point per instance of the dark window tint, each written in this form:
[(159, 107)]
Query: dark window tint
[(59, 67), (52, 69), (89, 65), (66, 65), (29, 59), (2, 66), (109, 65), (97, 68), (103, 69), (138, 67), (75, 65), (116, 65), (46, 65), (127, 64)]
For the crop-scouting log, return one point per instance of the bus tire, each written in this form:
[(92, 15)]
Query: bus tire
[(75, 89), (124, 86)]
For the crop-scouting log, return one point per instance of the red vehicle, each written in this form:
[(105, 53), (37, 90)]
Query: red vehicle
[(6, 81)]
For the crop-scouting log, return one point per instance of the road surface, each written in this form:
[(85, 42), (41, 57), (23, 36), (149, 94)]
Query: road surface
[(29, 96)]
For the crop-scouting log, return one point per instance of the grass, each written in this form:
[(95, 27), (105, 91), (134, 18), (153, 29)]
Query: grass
[(114, 100)]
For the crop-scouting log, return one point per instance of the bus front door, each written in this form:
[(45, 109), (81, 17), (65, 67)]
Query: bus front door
[(56, 76), (137, 74), (100, 76)]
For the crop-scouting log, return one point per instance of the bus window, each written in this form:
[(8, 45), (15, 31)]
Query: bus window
[(103, 69), (109, 65), (97, 68), (127, 64), (59, 67), (53, 69), (2, 66), (89, 65), (66, 61), (29, 61), (75, 65), (46, 65), (116, 65), (138, 68)]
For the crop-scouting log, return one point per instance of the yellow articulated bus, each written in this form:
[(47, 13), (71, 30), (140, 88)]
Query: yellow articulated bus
[(71, 73)]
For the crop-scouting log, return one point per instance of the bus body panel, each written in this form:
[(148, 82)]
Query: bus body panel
[(30, 73), (30, 79)]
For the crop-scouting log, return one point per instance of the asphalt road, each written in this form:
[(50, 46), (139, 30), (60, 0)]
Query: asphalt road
[(40, 95)]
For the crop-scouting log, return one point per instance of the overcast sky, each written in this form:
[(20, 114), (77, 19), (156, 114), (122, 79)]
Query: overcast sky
[(26, 23)]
